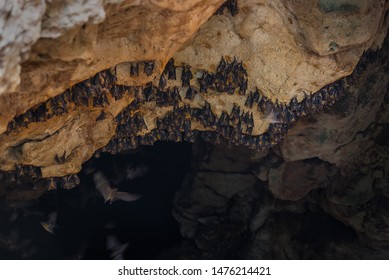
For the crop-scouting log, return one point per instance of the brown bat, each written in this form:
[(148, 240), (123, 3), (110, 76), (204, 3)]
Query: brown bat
[(111, 194)]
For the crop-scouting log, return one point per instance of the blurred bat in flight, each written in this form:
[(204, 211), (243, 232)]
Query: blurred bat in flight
[(117, 249), (50, 224), (111, 194), (135, 172)]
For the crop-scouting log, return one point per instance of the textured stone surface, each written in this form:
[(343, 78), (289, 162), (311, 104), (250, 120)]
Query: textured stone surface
[(328, 134), (293, 181), (74, 136), (131, 31), (321, 193), (20, 26), (310, 203), (345, 219), (303, 209), (80, 42), (24, 22), (331, 26), (266, 35), (61, 16)]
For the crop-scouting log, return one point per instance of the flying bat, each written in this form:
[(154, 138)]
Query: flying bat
[(116, 247), (111, 194), (50, 224), (135, 172)]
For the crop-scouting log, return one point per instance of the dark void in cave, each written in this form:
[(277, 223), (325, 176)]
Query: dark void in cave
[(198, 201), (87, 227)]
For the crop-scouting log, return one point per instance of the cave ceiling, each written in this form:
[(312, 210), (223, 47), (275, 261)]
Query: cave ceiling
[(119, 74)]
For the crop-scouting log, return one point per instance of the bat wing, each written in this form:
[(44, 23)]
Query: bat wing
[(48, 227), (112, 242), (52, 218), (102, 185), (125, 196), (116, 247), (119, 252), (135, 172)]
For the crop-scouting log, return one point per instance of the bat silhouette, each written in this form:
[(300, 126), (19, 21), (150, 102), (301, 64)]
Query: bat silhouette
[(111, 194)]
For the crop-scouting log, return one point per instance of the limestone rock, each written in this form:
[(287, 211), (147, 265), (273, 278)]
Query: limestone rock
[(224, 159), (20, 26), (331, 26), (131, 31), (266, 36), (61, 16), (74, 137), (322, 197), (227, 184), (293, 180), (269, 51), (328, 134)]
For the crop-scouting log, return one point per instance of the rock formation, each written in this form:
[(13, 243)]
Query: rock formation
[(268, 48), (295, 91), (321, 192)]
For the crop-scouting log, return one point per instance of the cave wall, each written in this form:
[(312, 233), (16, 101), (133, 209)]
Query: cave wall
[(286, 103), (322, 193)]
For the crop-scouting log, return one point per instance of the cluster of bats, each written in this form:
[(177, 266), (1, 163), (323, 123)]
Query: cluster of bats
[(233, 127)]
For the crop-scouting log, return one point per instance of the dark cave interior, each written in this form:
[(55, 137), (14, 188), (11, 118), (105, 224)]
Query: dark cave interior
[(148, 229), (84, 221)]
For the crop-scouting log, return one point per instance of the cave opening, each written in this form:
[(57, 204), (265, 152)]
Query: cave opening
[(198, 201), (84, 222)]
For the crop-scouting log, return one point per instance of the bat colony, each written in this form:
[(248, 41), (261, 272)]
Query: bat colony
[(234, 127)]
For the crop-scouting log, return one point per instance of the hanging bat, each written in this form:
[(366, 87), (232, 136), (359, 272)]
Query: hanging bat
[(135, 172), (111, 194)]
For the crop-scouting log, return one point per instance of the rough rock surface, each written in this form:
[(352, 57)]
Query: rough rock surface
[(309, 203), (287, 46), (17, 36), (294, 180), (24, 22), (328, 134), (265, 36), (131, 31), (330, 172)]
